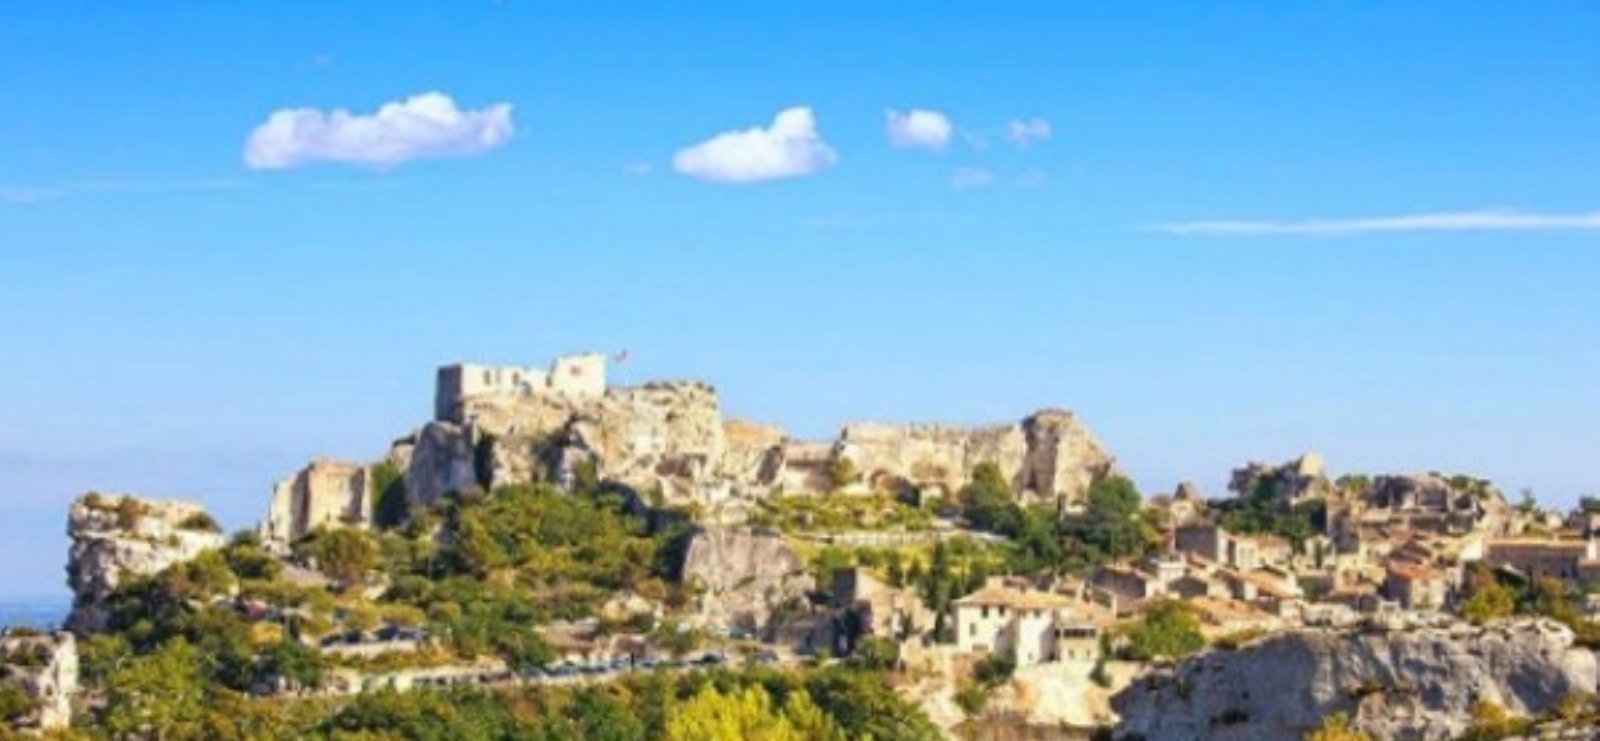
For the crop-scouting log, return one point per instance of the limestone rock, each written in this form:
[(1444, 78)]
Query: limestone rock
[(117, 535), (745, 574), (441, 458), (1049, 457), (324, 493), (45, 668), (671, 438), (1296, 481), (1412, 684), (666, 436)]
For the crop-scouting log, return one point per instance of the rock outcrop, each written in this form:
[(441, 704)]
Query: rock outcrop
[(660, 436), (744, 577), (1293, 482), (671, 438), (324, 493), (1048, 457), (45, 668), (114, 536), (1411, 684)]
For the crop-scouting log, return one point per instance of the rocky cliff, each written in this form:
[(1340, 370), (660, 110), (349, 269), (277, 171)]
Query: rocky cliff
[(744, 576), (661, 436), (45, 668), (672, 438), (1411, 684), (117, 535)]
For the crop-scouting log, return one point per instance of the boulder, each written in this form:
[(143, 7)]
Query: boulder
[(744, 576), (115, 536), (1416, 683)]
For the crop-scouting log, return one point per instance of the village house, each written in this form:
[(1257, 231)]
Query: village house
[(864, 606), (1416, 587), (1244, 552), (1030, 625), (1574, 560)]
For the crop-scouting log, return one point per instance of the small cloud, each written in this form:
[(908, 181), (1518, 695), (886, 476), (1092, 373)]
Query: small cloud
[(970, 178), (790, 147), (26, 196), (918, 128), (422, 126), (1033, 178), (1486, 220), (978, 140), (322, 59), (1024, 134), (637, 169)]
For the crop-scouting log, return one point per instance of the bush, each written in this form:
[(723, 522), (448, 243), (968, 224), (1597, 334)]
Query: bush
[(200, 522), (129, 510), (994, 670), (971, 697), (876, 653), (1168, 629), (14, 704)]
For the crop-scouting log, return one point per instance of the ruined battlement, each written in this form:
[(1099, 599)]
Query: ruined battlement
[(577, 376)]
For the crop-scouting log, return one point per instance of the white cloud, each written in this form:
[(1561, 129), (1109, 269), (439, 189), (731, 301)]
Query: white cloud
[(1026, 133), (969, 178), (27, 196), (422, 126), (918, 128), (1033, 178), (790, 147), (30, 195), (1487, 220)]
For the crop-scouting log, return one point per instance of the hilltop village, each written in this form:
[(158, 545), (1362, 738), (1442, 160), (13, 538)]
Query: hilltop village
[(545, 529)]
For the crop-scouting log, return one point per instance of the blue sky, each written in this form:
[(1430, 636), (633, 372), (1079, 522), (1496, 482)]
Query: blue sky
[(1253, 229)]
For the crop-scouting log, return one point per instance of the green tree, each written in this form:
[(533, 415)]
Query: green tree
[(842, 472), (1167, 629), (296, 664), (161, 695), (876, 653), (746, 715), (14, 704), (344, 554), (1488, 601), (393, 504)]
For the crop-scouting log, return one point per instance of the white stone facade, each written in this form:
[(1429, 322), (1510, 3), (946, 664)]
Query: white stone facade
[(580, 376)]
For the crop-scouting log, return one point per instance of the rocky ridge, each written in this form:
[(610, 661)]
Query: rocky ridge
[(1412, 683), (671, 439), (116, 536)]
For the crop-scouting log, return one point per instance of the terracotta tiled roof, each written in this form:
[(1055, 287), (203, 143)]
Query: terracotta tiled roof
[(1020, 599)]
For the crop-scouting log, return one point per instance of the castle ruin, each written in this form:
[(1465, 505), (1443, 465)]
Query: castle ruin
[(575, 376)]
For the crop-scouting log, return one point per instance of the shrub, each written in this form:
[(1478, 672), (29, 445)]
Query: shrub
[(971, 697), (1168, 629), (200, 522), (994, 670)]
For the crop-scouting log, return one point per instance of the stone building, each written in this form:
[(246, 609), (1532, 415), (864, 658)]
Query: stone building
[(1031, 626), (1574, 560), (579, 376), (1416, 587), (323, 494)]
